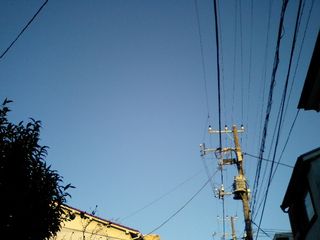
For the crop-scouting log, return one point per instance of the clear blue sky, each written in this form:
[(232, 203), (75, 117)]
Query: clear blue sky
[(120, 90)]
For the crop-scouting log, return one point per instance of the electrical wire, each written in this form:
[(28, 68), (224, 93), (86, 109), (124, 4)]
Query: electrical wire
[(261, 230), (279, 160), (265, 169), (234, 58), (183, 206), (218, 67), (219, 95), (204, 72), (265, 159), (250, 72), (282, 111), (221, 64), (298, 60), (264, 74), (269, 105), (286, 142), (162, 196), (208, 173), (22, 31), (241, 61), (205, 84), (92, 233)]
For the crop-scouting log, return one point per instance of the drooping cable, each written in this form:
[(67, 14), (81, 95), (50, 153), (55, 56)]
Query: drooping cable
[(205, 85), (205, 165), (265, 159), (241, 62), (204, 72), (269, 105), (218, 68), (249, 81), (22, 31), (264, 74), (162, 196), (286, 143), (280, 157), (265, 168), (234, 58), (282, 111), (219, 97), (300, 50), (265, 233), (183, 206)]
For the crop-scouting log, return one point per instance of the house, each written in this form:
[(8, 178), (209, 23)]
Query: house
[(80, 225), (283, 236), (301, 200), (310, 96)]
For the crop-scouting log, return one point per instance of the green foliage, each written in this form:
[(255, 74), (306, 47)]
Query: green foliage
[(31, 193)]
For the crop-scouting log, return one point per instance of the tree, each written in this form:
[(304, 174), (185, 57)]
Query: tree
[(31, 193)]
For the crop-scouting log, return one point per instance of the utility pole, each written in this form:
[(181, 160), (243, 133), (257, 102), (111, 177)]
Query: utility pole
[(240, 185), (234, 236), (240, 190)]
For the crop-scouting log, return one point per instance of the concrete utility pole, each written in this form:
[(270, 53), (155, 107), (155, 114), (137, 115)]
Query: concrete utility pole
[(234, 236), (240, 185), (240, 190)]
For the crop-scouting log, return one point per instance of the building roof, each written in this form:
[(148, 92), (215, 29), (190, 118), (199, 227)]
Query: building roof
[(298, 179), (310, 96), (283, 235), (104, 221)]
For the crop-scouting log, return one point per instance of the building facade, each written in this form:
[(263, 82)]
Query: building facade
[(84, 226), (302, 197), (283, 236)]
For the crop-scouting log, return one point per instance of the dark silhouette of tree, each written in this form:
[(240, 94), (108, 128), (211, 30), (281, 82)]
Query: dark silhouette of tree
[(31, 193)]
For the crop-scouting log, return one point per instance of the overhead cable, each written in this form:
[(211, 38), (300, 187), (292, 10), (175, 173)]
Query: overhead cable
[(22, 31), (204, 72), (286, 142), (183, 206), (264, 74), (234, 57), (219, 96), (280, 157), (300, 50), (265, 159), (265, 233), (218, 67), (269, 104), (162, 196), (282, 111)]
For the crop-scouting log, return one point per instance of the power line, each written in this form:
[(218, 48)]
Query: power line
[(282, 111), (263, 77), (207, 172), (219, 96), (269, 105), (162, 196), (218, 66), (22, 31), (202, 56), (298, 60), (250, 71), (221, 64), (261, 230), (286, 142), (268, 160), (234, 57), (279, 160), (241, 61), (183, 206)]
